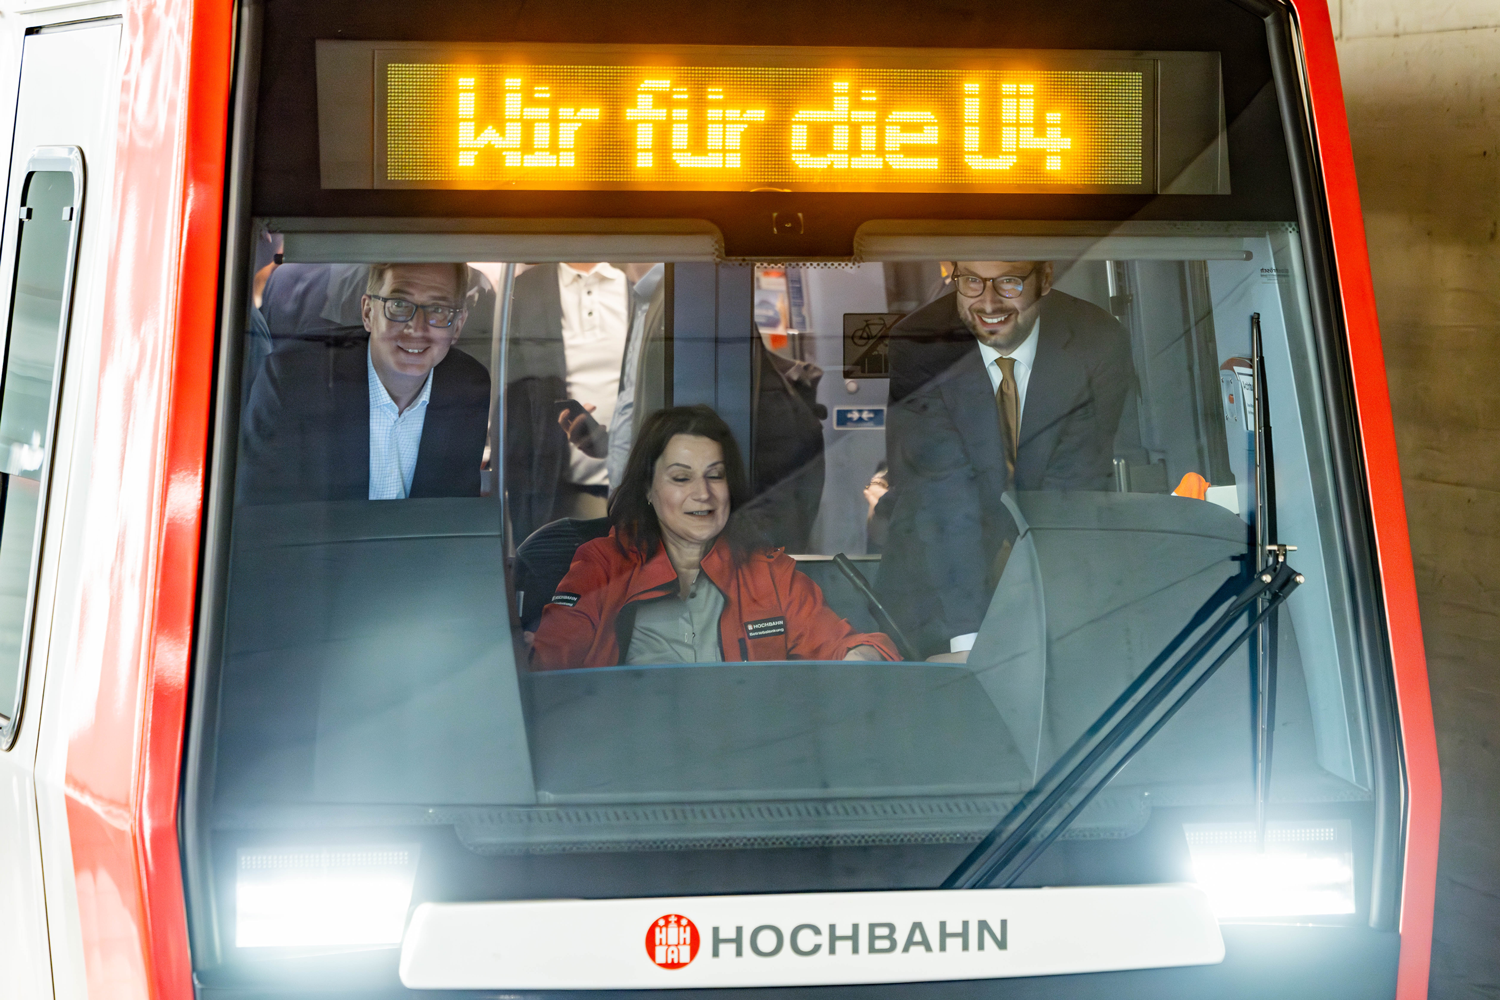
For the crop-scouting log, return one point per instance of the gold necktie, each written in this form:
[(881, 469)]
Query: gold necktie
[(1008, 402)]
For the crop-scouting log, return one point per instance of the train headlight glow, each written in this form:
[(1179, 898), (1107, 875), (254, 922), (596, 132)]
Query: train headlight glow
[(1305, 869), (321, 896)]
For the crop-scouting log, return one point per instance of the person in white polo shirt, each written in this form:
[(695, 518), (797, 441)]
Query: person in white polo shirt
[(568, 331)]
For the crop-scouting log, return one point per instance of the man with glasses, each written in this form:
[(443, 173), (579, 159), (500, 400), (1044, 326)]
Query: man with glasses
[(400, 414), (1001, 383)]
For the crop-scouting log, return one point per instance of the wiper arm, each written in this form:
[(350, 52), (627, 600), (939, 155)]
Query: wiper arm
[(1268, 554), (1110, 743)]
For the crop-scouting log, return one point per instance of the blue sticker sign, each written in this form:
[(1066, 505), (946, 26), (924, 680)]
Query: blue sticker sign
[(857, 418)]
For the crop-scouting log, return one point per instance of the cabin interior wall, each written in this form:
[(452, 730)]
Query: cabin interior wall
[(1419, 81), (850, 456)]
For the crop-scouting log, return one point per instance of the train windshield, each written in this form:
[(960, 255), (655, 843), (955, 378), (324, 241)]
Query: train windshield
[(637, 564)]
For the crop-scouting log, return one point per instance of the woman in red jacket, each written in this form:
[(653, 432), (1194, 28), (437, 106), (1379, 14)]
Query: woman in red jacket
[(681, 578)]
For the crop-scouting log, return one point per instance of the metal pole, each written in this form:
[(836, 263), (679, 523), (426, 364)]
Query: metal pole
[(499, 351)]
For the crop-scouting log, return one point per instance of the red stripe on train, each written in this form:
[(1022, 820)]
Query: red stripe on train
[(145, 507)]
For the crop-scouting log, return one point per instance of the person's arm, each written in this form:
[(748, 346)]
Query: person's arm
[(958, 649), (567, 630), (814, 630)]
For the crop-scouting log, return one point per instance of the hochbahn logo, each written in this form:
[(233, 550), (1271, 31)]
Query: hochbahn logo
[(672, 941)]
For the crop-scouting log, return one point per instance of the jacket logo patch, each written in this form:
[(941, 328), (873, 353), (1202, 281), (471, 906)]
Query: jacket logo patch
[(765, 627), (566, 600)]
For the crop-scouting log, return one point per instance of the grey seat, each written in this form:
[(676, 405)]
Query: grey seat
[(838, 591), (542, 560), (321, 302)]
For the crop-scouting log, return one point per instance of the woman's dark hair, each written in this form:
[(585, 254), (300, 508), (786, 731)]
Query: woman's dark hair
[(633, 519)]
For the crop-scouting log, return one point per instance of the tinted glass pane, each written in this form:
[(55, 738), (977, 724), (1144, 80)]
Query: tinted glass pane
[(486, 631), (19, 523), (398, 637), (31, 355), (31, 366)]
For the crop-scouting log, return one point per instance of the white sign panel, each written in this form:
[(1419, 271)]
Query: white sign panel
[(806, 939)]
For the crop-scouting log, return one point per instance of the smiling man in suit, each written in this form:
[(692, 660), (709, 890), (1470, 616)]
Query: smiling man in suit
[(1000, 384), (399, 413)]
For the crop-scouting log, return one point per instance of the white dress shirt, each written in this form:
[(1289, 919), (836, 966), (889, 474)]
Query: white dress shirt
[(1025, 357), (594, 325), (395, 437)]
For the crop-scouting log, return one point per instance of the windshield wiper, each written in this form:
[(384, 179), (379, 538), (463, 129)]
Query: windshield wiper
[(1150, 701), (1166, 684), (1268, 555)]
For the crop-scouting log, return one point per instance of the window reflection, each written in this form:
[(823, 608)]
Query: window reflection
[(33, 364), (1030, 494)]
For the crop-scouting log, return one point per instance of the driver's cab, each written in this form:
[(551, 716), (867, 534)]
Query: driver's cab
[(391, 640), (962, 491)]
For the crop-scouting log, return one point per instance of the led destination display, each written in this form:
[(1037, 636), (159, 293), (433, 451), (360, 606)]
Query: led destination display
[(1004, 126)]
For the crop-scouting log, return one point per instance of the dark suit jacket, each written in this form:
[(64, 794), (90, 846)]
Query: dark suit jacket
[(787, 467), (536, 376), (947, 465), (306, 433)]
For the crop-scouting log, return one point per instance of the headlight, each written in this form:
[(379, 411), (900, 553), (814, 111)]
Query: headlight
[(319, 896), (1306, 868)]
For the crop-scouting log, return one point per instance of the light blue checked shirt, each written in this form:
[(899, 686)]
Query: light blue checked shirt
[(394, 438)]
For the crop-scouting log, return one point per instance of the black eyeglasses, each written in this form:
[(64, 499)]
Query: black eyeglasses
[(403, 311), (1007, 286)]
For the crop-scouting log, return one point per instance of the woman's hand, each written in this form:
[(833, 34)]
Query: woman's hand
[(865, 652)]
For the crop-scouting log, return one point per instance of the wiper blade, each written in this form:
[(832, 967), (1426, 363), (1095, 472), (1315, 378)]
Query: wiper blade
[(1137, 715), (1263, 664)]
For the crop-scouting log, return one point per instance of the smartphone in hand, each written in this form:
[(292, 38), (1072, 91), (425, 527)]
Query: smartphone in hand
[(586, 433), (572, 407)]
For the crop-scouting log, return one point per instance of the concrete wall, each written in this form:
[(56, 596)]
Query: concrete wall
[(1422, 82)]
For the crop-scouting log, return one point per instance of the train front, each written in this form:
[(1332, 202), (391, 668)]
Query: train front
[(884, 513)]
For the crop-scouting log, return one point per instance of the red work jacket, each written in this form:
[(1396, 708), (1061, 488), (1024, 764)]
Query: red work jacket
[(771, 611)]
